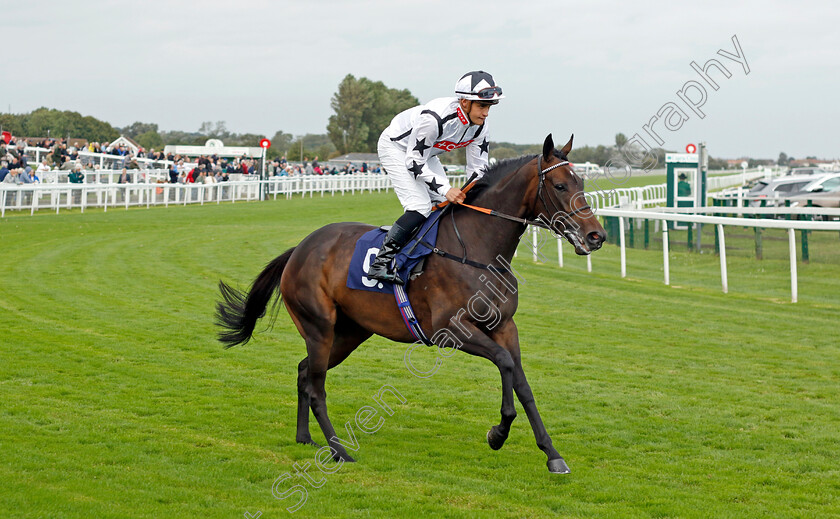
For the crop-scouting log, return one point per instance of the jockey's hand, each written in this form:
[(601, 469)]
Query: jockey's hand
[(455, 195)]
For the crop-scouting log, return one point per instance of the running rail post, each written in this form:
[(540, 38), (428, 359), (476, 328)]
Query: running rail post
[(665, 259), (560, 251), (794, 292), (724, 279), (623, 252), (534, 242)]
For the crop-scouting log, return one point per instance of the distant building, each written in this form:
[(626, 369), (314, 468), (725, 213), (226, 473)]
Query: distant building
[(214, 147), (735, 163), (127, 142)]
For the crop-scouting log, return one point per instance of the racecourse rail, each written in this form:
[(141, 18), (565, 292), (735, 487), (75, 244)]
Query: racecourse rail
[(101, 190), (59, 195)]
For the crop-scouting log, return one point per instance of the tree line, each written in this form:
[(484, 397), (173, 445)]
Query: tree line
[(362, 109)]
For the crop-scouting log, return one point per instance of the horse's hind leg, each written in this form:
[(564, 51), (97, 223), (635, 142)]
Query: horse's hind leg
[(319, 330), (347, 336), (302, 435)]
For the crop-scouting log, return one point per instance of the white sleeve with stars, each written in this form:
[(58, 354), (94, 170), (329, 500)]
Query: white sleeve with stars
[(422, 138), (478, 153)]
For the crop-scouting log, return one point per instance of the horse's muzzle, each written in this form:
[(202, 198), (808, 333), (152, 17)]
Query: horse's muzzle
[(585, 245), (595, 239)]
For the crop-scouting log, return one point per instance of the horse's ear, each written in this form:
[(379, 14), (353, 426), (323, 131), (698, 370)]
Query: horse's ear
[(568, 147), (548, 147)]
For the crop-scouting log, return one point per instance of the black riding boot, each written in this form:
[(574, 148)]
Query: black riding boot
[(382, 267)]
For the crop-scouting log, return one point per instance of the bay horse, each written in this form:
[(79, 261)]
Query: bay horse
[(334, 320)]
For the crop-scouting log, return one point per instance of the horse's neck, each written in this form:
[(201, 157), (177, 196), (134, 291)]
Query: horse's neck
[(488, 237), (510, 195)]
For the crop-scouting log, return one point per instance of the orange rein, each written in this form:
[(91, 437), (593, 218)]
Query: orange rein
[(469, 186)]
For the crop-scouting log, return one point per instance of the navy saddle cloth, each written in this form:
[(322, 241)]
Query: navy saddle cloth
[(368, 246)]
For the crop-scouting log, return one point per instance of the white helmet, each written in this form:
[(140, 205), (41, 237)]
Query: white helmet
[(478, 86)]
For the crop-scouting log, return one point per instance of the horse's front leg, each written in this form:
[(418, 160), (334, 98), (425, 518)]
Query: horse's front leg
[(482, 345), (508, 337)]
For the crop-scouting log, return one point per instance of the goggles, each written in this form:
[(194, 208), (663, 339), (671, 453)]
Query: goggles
[(485, 93), (489, 92)]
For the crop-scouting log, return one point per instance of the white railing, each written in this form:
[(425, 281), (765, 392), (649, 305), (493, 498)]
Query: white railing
[(34, 153), (719, 182), (655, 195), (105, 176), (107, 161), (57, 196), (102, 160), (672, 215), (796, 210), (646, 196)]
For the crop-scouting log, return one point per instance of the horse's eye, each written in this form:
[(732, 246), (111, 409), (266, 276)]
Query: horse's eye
[(560, 187)]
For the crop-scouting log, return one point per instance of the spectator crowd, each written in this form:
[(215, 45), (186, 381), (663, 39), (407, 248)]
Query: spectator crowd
[(15, 167)]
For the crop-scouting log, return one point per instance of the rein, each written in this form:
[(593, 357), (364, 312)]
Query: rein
[(492, 212), (536, 222)]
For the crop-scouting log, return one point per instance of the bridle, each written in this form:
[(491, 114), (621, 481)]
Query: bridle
[(564, 216), (541, 196), (570, 233)]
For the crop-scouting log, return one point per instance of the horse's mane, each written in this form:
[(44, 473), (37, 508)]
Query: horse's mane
[(501, 169)]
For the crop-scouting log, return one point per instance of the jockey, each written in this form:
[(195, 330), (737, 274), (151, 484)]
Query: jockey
[(408, 150)]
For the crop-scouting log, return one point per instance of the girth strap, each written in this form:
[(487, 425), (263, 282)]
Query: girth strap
[(465, 261)]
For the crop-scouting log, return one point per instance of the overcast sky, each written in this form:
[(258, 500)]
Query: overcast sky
[(590, 68)]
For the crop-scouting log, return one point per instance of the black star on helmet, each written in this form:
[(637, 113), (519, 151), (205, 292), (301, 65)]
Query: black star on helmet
[(484, 146), (477, 76), (416, 168), (434, 186), (421, 146)]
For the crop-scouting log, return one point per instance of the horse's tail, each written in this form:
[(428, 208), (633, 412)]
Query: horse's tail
[(238, 313)]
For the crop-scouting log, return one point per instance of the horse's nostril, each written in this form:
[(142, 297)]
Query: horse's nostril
[(595, 237)]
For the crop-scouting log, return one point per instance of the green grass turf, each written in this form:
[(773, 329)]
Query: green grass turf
[(666, 401)]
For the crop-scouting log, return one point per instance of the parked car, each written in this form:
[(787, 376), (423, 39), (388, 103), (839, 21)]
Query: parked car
[(824, 192), (801, 172), (776, 188), (825, 199), (824, 184), (586, 169)]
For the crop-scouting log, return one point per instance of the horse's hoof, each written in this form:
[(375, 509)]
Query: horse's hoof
[(558, 466), (495, 439), (346, 458), (307, 441)]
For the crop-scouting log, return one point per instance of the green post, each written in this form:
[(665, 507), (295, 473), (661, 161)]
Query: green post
[(690, 237), (614, 229), (759, 253), (632, 233), (805, 256), (717, 243), (647, 233), (699, 237)]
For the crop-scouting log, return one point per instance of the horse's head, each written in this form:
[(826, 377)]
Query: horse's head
[(560, 202)]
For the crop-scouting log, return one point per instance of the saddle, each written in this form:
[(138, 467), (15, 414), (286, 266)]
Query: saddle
[(409, 261)]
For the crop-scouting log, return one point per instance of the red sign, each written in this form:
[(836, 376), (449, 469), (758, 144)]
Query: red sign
[(265, 143), (7, 136), (449, 145), (691, 148)]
